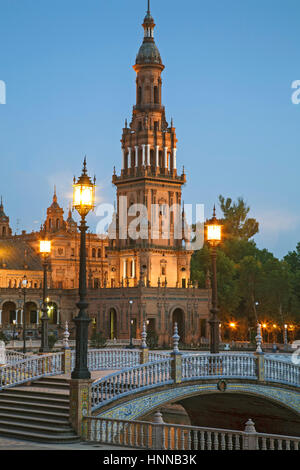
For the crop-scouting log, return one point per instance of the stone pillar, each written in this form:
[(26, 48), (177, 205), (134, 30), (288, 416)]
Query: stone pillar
[(260, 367), (80, 404), (158, 430), (136, 156), (123, 159), (249, 438), (174, 158), (148, 154), (144, 357), (157, 156), (144, 153), (166, 157), (176, 365), (2, 354), (0, 317), (67, 361), (129, 157)]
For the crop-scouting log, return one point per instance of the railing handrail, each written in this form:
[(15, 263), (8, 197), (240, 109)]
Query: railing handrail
[(120, 431), (129, 369)]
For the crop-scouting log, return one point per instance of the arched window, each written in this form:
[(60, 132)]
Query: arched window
[(57, 224), (94, 253), (156, 96), (4, 231), (99, 252)]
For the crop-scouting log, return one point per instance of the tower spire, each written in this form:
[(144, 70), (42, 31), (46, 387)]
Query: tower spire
[(148, 7)]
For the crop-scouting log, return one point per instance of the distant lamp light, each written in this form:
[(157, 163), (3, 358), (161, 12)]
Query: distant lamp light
[(232, 325), (285, 326), (24, 282), (45, 247), (264, 325), (274, 326)]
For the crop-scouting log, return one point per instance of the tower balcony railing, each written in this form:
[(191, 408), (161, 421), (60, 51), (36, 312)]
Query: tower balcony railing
[(150, 172), (149, 107)]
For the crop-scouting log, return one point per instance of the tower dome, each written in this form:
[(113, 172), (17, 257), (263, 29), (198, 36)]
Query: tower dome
[(148, 53)]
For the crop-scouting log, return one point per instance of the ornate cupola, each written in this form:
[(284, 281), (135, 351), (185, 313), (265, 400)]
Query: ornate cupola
[(55, 216), (5, 230)]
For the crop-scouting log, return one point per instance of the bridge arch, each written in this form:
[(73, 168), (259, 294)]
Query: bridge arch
[(285, 401)]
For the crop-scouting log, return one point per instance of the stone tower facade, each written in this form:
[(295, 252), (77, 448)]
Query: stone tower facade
[(5, 230), (149, 177)]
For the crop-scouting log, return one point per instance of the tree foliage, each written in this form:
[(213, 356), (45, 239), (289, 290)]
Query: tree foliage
[(253, 285)]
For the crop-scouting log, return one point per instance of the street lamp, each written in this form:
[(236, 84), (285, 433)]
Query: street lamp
[(285, 337), (130, 324), (14, 332), (83, 202), (45, 250), (214, 238), (24, 287)]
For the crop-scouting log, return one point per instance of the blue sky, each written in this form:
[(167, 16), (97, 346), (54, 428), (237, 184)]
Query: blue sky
[(67, 65)]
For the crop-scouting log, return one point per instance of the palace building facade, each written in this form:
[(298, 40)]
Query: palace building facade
[(130, 280)]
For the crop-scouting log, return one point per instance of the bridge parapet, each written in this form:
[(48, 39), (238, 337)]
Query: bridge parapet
[(162, 436), (193, 367)]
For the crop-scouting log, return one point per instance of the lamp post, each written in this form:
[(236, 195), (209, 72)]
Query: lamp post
[(83, 202), (45, 250), (214, 238), (285, 337), (24, 287), (130, 324), (14, 332)]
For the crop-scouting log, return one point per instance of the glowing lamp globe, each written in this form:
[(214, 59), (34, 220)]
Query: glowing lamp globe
[(84, 193), (214, 230)]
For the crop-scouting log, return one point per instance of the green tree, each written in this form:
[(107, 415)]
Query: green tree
[(236, 222)]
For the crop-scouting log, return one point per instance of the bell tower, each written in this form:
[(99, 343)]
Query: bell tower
[(149, 177), (5, 230)]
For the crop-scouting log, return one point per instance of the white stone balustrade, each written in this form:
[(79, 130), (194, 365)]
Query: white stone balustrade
[(145, 435)]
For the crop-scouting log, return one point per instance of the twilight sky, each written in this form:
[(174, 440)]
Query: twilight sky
[(230, 64)]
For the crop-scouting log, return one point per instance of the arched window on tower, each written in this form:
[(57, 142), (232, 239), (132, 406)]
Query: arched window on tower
[(94, 253), (139, 97), (3, 231), (156, 95), (57, 224)]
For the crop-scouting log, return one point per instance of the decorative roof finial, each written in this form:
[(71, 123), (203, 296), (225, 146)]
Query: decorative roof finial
[(84, 166), (54, 194), (148, 7)]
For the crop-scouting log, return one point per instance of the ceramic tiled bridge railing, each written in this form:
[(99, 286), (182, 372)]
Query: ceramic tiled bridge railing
[(192, 367), (134, 376)]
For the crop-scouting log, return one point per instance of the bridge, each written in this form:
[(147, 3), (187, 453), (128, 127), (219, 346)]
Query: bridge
[(129, 384)]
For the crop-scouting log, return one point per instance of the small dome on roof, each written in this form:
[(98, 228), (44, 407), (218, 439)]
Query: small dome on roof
[(148, 54)]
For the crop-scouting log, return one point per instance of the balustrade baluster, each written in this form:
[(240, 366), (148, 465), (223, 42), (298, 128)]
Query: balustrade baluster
[(223, 441), (237, 442), (209, 440), (169, 438), (202, 440), (216, 441)]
